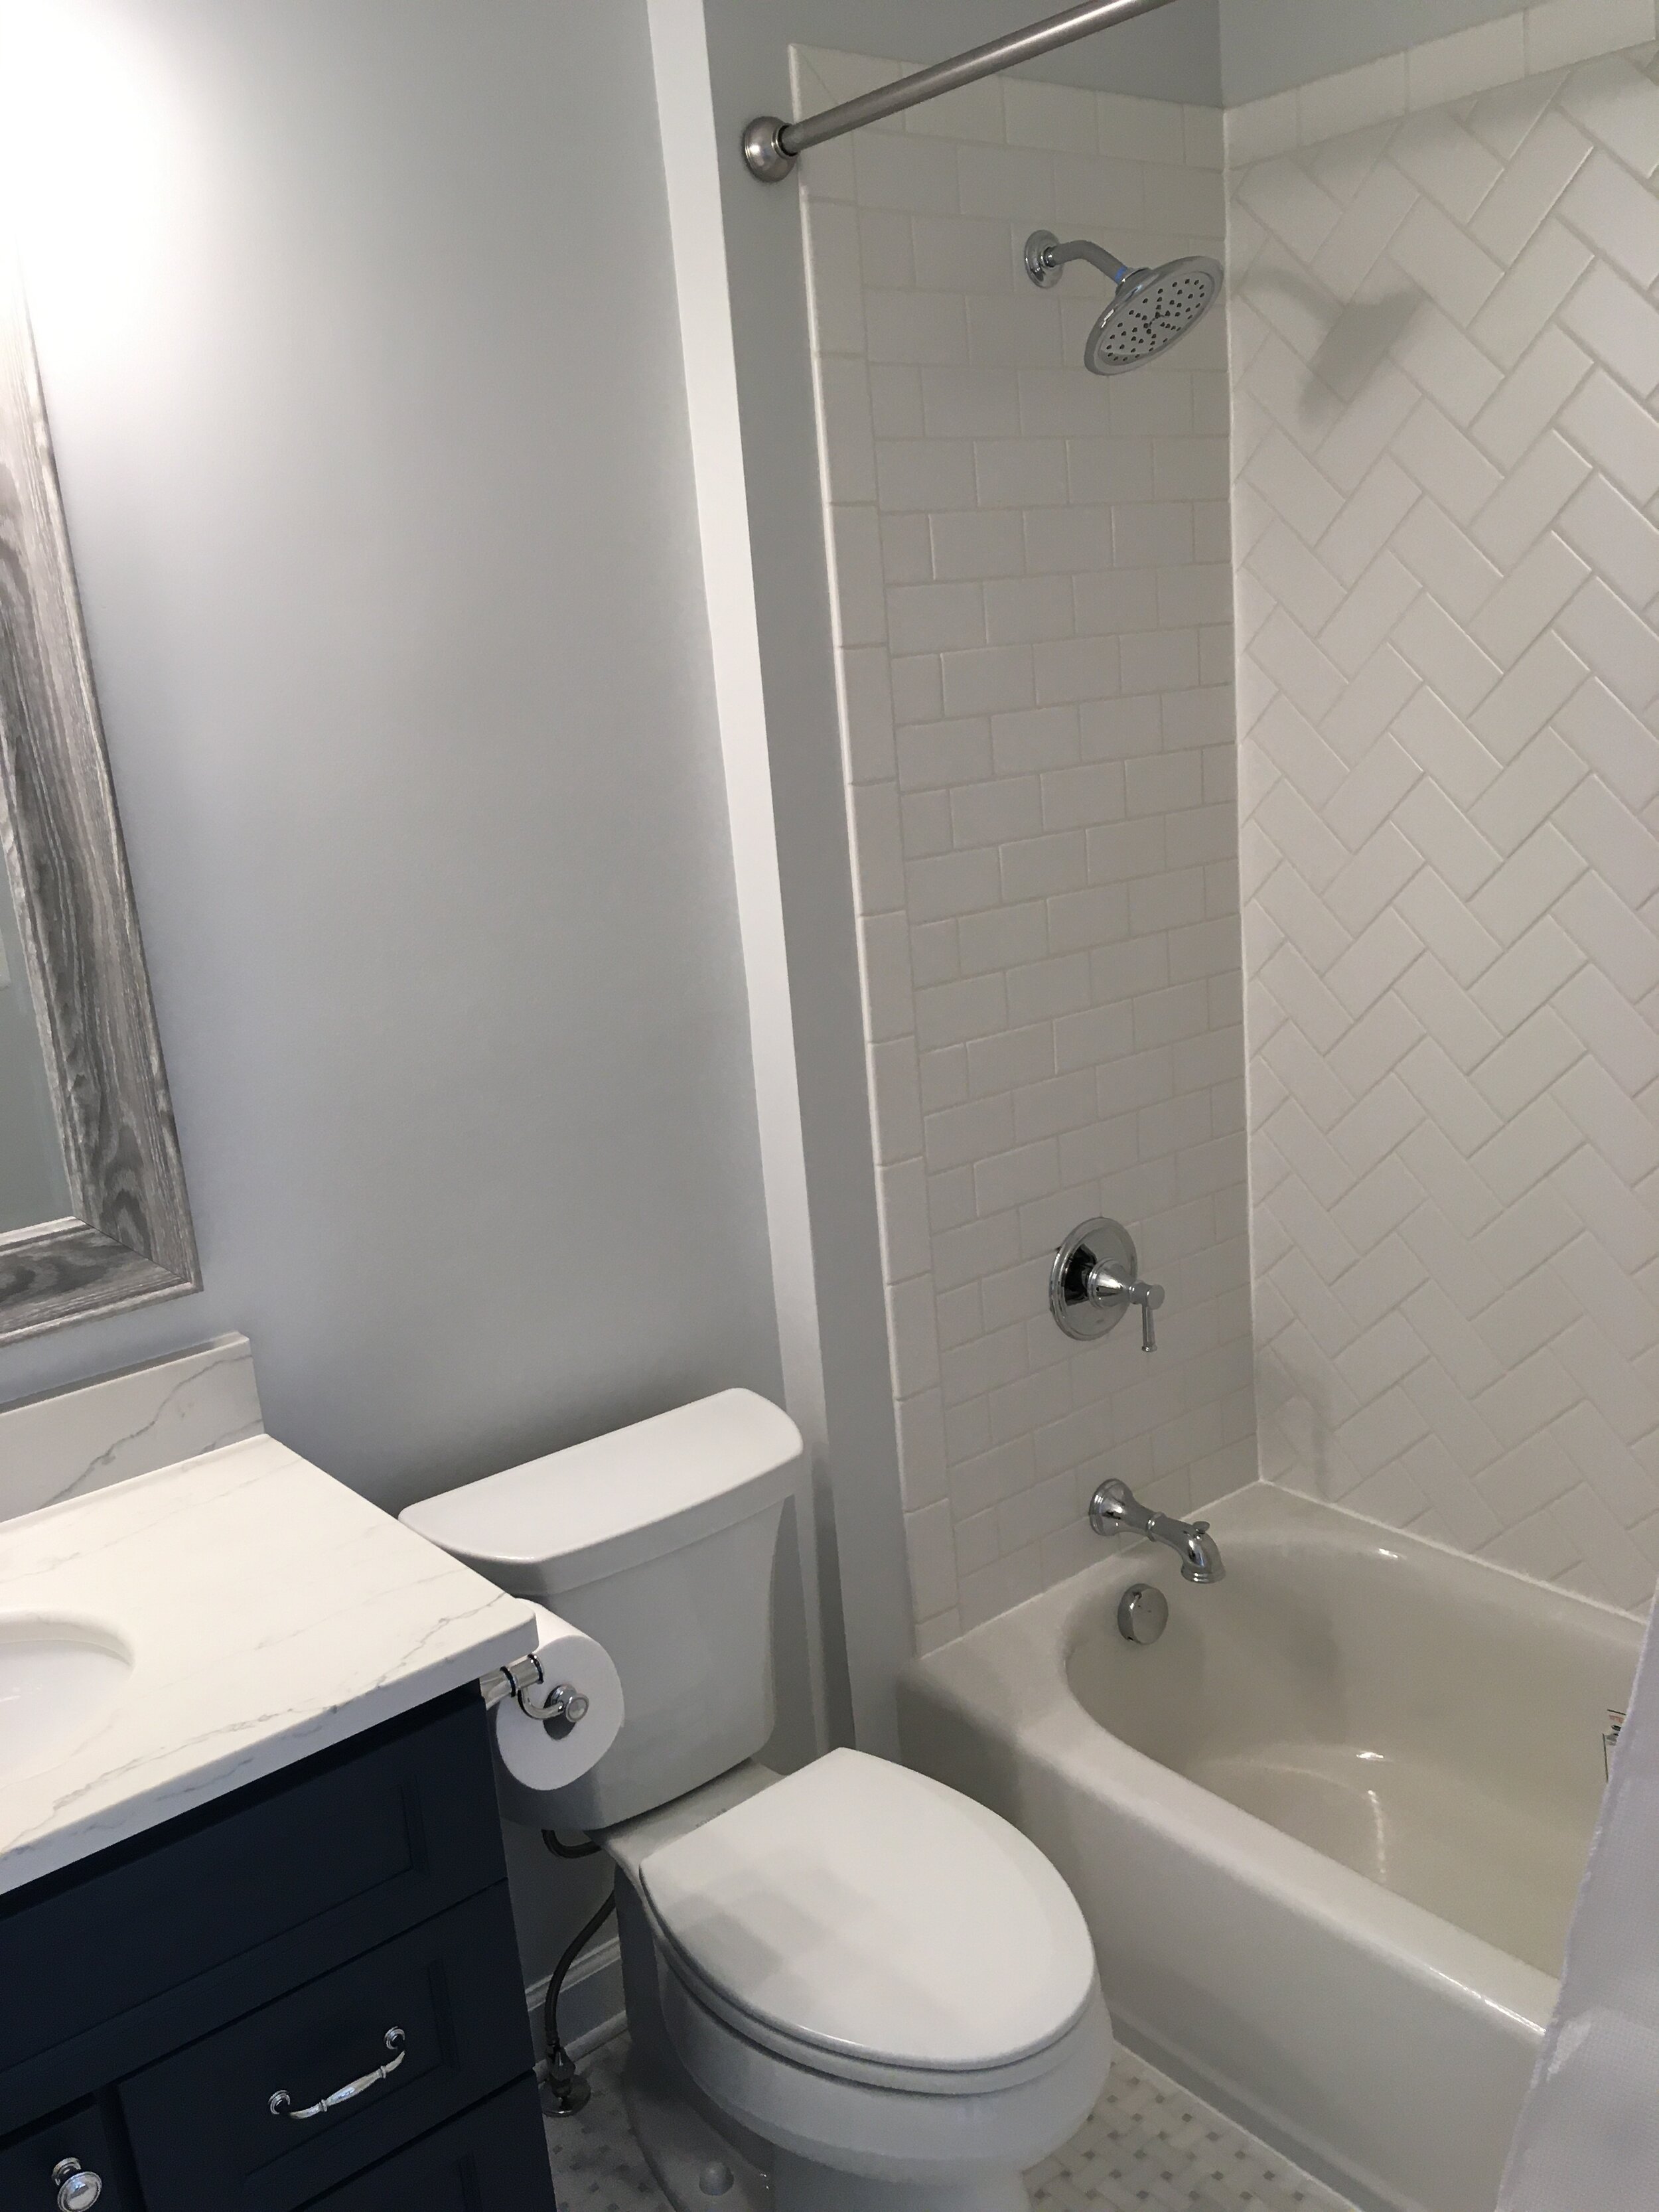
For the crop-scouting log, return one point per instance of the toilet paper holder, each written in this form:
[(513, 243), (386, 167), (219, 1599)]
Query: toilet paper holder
[(539, 1700)]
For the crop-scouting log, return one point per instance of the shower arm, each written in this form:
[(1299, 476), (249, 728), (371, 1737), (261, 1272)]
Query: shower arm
[(1053, 258), (770, 145)]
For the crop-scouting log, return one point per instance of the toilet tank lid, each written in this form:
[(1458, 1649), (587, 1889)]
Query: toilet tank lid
[(619, 1499)]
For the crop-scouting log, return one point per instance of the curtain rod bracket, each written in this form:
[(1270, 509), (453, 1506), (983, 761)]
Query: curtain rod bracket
[(763, 150)]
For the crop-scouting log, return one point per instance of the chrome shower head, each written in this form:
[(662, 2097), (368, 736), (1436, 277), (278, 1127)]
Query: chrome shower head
[(1149, 309), (1153, 308)]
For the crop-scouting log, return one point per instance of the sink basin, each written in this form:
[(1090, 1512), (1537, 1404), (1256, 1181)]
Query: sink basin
[(57, 1679)]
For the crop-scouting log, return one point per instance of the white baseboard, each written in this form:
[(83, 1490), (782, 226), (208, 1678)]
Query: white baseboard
[(590, 2005)]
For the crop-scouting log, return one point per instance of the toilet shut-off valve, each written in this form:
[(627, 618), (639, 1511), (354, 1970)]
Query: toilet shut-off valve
[(1095, 1280)]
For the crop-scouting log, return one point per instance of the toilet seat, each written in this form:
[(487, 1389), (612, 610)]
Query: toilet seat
[(867, 1924), (925, 2128)]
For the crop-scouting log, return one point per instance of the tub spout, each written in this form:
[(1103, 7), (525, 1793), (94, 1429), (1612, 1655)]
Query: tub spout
[(1114, 1511), (1200, 1555)]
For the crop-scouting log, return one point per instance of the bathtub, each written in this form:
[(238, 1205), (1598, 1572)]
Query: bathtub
[(1326, 1832)]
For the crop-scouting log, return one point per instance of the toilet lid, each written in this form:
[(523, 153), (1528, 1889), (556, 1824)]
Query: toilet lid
[(864, 1909)]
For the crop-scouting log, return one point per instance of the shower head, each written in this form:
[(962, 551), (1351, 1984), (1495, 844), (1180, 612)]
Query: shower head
[(1153, 308), (1149, 309)]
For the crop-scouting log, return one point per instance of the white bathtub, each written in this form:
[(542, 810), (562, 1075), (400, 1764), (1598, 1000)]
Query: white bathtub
[(1326, 1831)]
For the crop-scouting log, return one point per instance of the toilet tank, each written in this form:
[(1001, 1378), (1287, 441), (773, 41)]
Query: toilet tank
[(657, 1540)]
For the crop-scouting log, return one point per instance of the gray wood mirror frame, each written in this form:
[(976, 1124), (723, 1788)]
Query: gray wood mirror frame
[(124, 1236)]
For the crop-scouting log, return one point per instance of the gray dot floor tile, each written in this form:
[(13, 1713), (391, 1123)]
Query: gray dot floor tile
[(597, 2165), (1147, 2147)]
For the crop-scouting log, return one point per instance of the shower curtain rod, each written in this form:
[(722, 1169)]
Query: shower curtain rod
[(770, 145)]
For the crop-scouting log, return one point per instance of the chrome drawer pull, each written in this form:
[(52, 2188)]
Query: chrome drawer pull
[(282, 2104)]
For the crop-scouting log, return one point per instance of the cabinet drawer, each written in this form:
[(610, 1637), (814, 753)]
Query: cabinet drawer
[(27, 2161), (493, 2158), (217, 1912), (205, 2138)]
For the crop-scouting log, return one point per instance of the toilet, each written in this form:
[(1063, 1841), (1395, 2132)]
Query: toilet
[(849, 1989)]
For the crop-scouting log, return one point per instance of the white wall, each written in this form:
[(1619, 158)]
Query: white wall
[(1033, 598), (356, 338), (1445, 346)]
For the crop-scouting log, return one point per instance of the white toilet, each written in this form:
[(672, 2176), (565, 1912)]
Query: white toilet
[(849, 1989)]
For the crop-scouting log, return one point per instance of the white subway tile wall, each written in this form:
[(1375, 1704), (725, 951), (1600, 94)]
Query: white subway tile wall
[(1033, 593), (1531, 43), (1445, 357)]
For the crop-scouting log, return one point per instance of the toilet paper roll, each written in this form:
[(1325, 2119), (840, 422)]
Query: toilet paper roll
[(539, 1757)]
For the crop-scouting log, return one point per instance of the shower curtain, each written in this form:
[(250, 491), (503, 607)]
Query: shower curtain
[(1588, 2139)]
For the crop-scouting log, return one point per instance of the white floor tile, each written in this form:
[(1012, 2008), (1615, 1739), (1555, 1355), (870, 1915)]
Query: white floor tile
[(1146, 2144)]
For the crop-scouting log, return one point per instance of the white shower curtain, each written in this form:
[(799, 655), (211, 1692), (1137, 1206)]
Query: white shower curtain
[(1588, 2139)]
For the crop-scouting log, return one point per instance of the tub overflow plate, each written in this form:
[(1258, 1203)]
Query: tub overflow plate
[(1143, 1613)]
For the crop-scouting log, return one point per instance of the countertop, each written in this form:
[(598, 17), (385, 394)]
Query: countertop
[(269, 1611)]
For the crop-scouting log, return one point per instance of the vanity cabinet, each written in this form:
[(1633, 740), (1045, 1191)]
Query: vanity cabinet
[(188, 2006)]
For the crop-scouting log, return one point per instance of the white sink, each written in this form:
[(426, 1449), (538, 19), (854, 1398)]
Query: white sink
[(58, 1678)]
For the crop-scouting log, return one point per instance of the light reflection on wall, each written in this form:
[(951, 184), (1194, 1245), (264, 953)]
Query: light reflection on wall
[(92, 173)]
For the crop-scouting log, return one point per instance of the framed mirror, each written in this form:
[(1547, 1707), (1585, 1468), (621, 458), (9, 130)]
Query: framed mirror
[(93, 1211)]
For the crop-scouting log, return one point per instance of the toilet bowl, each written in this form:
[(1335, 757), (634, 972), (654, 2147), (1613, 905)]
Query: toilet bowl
[(849, 1989), (883, 1985)]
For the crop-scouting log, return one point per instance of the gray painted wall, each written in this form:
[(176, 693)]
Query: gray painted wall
[(1268, 45), (381, 505), (356, 339)]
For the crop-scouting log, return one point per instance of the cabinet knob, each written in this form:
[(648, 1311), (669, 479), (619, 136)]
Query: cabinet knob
[(78, 2190)]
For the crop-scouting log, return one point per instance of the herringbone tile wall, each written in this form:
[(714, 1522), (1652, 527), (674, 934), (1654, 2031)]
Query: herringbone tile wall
[(1033, 594), (1444, 335)]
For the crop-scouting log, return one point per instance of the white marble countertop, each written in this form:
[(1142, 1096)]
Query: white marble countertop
[(269, 1611)]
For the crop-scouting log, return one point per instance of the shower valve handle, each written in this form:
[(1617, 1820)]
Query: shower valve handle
[(1106, 1289)]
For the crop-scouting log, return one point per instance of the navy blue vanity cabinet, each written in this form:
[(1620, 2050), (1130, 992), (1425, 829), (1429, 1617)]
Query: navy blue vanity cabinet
[(193, 2004), (494, 2156)]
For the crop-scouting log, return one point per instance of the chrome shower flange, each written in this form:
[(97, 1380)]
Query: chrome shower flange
[(1043, 273), (1092, 1243)]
